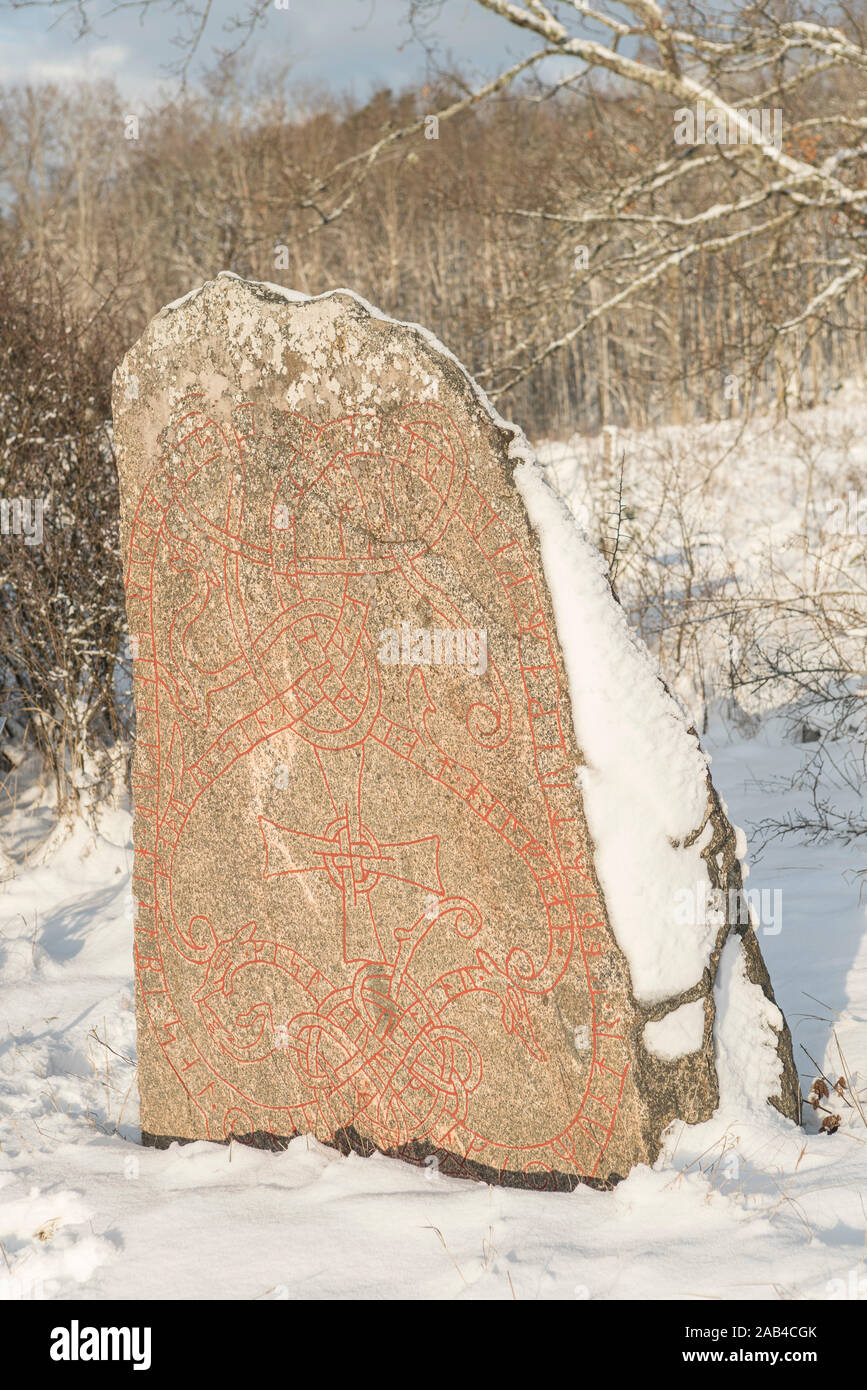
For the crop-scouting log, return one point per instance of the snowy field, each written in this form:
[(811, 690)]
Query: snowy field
[(746, 1206)]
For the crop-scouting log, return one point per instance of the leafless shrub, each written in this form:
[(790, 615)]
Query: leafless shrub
[(61, 616)]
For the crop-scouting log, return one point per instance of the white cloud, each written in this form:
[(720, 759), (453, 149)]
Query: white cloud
[(76, 65)]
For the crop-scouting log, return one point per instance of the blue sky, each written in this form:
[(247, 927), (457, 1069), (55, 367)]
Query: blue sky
[(346, 45)]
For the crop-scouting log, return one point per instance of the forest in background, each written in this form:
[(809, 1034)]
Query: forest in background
[(476, 233), (481, 234)]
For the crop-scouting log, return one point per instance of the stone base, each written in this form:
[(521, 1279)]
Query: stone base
[(427, 1156)]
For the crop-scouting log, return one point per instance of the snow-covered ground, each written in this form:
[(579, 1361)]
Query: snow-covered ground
[(744, 1206)]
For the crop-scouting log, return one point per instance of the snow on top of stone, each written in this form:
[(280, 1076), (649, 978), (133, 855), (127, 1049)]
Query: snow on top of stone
[(645, 780), (297, 297), (679, 1033), (519, 447), (745, 1035)]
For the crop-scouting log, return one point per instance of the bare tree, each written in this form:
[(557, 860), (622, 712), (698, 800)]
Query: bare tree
[(755, 132), (725, 75)]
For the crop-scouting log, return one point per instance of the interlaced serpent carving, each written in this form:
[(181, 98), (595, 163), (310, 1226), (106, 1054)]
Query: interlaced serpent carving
[(318, 834)]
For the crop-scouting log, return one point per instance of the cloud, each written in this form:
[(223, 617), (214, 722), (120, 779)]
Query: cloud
[(73, 65), (352, 45)]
